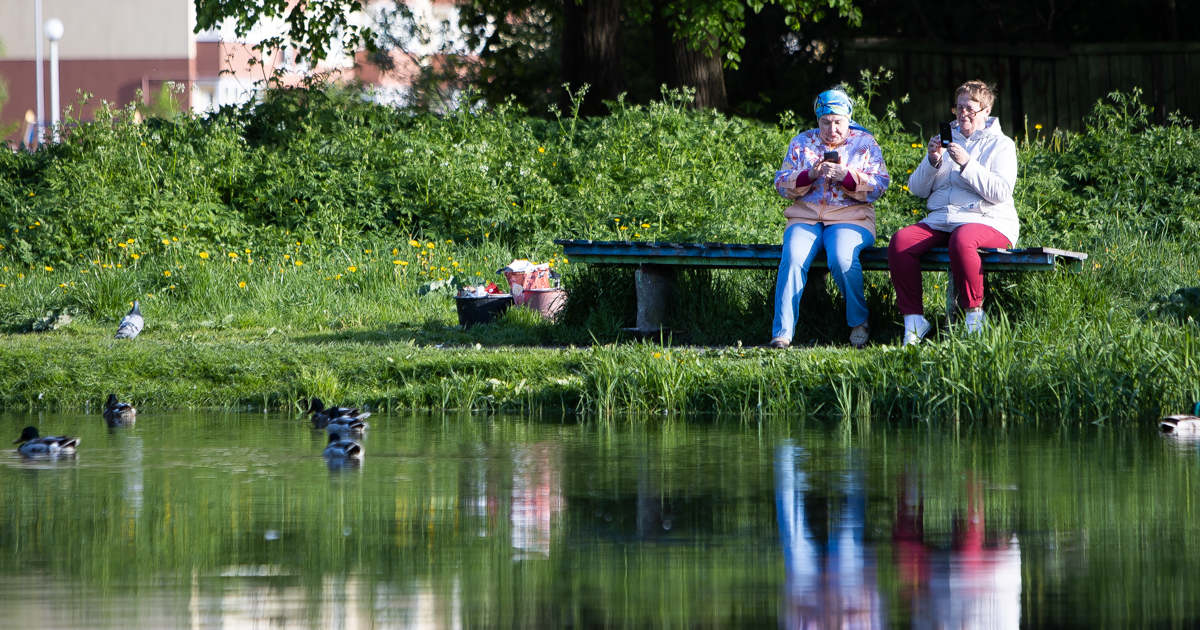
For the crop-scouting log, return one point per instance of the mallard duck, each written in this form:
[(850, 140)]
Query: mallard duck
[(1182, 424), (348, 425), (119, 414), (321, 416), (49, 445), (131, 325), (338, 448)]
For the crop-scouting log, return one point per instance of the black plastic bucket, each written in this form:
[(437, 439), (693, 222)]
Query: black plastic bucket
[(481, 310)]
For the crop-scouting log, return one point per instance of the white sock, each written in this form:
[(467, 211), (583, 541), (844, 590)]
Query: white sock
[(915, 323)]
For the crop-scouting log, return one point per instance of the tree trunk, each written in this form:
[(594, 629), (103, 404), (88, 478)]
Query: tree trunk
[(677, 67), (591, 53)]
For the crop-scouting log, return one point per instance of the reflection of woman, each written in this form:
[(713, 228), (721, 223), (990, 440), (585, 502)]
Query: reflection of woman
[(832, 211), (969, 187)]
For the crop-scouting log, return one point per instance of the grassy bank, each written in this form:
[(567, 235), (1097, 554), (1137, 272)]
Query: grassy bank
[(287, 250)]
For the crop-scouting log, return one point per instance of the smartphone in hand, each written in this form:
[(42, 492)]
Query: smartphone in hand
[(832, 156), (947, 134)]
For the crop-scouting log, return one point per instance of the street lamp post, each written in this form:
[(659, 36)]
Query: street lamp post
[(54, 32), (41, 80)]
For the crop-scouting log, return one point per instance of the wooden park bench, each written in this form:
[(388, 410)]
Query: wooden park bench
[(656, 264)]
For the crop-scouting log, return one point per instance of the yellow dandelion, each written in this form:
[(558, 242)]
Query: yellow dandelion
[(242, 284), (132, 240), (916, 145), (166, 242), (657, 355), (171, 287), (367, 251), (233, 254), (287, 257), (167, 274), (174, 240), (298, 263), (414, 243), (645, 225), (49, 268), (540, 150), (120, 244), (395, 251), (429, 245), (62, 285), (1038, 127), (83, 271), (247, 251), (203, 254), (351, 269), (134, 256)]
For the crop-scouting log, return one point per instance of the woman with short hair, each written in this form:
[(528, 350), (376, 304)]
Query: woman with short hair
[(970, 191), (833, 174)]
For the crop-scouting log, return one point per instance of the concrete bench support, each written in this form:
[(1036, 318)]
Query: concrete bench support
[(654, 283)]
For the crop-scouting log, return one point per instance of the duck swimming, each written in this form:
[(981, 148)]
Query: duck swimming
[(338, 448), (119, 414), (348, 425), (50, 445), (321, 416), (1182, 424)]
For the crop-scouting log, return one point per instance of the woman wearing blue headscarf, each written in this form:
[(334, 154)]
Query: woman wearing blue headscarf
[(833, 209)]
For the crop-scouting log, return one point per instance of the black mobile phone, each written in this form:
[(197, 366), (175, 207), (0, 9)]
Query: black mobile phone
[(832, 156), (947, 134)]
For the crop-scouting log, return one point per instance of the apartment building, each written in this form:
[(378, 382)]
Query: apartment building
[(122, 51)]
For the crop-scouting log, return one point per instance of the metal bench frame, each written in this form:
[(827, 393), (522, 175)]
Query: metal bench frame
[(657, 262)]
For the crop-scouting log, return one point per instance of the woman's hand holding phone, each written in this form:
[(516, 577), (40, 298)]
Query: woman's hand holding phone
[(935, 151)]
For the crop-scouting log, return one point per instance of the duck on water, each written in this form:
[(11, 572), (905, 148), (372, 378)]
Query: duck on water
[(32, 444), (119, 414), (1182, 424)]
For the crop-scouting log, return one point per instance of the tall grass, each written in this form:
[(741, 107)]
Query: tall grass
[(316, 217)]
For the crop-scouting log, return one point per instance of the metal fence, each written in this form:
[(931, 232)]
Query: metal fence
[(1056, 87)]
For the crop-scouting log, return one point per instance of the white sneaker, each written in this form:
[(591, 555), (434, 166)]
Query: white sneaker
[(975, 321), (915, 329)]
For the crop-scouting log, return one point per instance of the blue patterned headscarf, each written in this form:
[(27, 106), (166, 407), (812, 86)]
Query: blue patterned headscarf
[(839, 103)]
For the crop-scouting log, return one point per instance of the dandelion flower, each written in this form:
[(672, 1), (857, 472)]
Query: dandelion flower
[(134, 256), (299, 262), (1038, 127), (49, 268), (916, 145), (657, 355), (166, 274), (83, 271), (174, 240), (367, 251), (540, 150), (645, 225), (132, 240), (414, 243), (203, 254), (233, 254), (351, 269), (395, 251), (247, 251), (429, 245), (61, 285), (120, 244), (166, 242), (242, 284), (287, 257)]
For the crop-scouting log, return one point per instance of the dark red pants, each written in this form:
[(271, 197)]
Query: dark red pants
[(909, 244)]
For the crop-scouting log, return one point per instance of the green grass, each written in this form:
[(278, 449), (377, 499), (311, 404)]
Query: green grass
[(281, 251)]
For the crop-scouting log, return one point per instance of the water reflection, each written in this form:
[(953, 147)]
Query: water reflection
[(831, 572), (235, 521), (831, 579)]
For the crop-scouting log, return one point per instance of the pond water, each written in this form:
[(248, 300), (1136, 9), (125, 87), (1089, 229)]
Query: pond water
[(234, 520)]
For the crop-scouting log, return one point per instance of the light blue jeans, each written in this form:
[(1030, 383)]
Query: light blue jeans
[(801, 242)]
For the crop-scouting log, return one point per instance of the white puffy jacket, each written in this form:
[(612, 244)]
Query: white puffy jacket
[(980, 192)]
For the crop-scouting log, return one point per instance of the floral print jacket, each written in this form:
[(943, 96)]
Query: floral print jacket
[(848, 201)]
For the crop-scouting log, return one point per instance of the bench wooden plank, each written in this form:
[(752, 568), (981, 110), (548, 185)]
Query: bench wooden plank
[(763, 256), (656, 260)]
